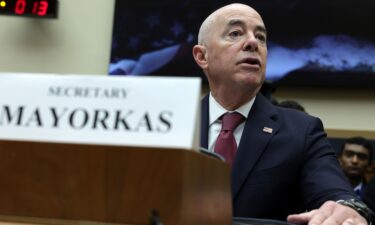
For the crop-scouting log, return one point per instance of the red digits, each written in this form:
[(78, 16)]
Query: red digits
[(43, 7), (35, 7), (20, 7)]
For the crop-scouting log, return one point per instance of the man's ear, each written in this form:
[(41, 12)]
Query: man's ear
[(199, 54)]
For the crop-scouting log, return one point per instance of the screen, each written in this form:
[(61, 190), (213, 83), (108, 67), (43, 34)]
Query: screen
[(310, 42)]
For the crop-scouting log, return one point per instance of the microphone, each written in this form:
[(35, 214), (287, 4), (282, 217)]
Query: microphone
[(211, 154)]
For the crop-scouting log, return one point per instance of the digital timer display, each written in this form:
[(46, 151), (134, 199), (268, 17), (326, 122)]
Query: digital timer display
[(31, 8)]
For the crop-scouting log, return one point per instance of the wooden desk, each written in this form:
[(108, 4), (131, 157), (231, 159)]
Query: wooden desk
[(112, 184)]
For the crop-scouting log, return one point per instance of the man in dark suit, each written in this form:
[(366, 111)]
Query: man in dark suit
[(284, 164)]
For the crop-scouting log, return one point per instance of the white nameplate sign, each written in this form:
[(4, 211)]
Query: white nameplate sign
[(128, 111)]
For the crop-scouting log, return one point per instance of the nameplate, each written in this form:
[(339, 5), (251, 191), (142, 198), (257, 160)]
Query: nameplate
[(127, 110)]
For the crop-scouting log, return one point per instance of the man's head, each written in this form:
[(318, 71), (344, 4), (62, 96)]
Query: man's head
[(232, 49), (355, 157)]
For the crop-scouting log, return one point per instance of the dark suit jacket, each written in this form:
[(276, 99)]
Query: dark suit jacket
[(369, 194), (362, 191), (290, 170)]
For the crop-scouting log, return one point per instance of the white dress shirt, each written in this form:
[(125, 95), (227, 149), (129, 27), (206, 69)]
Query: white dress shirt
[(214, 127)]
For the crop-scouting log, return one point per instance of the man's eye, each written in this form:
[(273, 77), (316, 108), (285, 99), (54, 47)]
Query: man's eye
[(261, 37), (362, 157), (234, 34)]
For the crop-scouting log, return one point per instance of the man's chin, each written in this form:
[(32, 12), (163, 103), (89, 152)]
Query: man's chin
[(354, 175), (250, 80)]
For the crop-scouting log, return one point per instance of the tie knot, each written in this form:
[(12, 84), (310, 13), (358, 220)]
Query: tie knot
[(231, 121)]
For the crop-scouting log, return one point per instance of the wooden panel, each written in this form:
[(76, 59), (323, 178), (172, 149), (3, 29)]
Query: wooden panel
[(112, 184), (340, 133)]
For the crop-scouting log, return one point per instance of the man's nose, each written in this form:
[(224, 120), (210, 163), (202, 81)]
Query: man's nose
[(355, 159), (251, 43)]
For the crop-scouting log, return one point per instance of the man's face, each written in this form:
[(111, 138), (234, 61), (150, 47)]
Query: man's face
[(236, 49), (354, 160)]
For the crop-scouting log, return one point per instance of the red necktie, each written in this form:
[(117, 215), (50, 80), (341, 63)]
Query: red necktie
[(226, 144)]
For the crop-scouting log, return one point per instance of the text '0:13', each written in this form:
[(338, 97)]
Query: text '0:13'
[(29, 8), (39, 8)]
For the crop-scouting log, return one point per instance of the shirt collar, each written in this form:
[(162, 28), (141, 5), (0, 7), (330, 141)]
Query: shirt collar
[(358, 187), (216, 110)]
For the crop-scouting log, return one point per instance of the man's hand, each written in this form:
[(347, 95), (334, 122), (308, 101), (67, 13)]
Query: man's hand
[(330, 213)]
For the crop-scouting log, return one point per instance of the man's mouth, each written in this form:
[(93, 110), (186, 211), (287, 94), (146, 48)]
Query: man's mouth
[(250, 61), (353, 169)]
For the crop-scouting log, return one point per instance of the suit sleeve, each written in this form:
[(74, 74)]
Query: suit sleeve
[(322, 178)]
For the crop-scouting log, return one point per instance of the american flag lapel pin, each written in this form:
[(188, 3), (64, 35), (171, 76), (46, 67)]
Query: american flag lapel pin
[(267, 130)]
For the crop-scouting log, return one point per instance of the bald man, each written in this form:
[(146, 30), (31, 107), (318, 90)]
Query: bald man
[(283, 165)]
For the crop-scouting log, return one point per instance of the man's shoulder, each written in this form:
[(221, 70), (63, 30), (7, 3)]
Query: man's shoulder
[(283, 112), (297, 117), (292, 118)]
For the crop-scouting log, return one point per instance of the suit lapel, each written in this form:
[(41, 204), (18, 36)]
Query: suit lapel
[(260, 127), (253, 141)]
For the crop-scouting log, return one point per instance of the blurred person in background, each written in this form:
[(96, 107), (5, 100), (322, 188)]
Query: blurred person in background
[(355, 157)]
